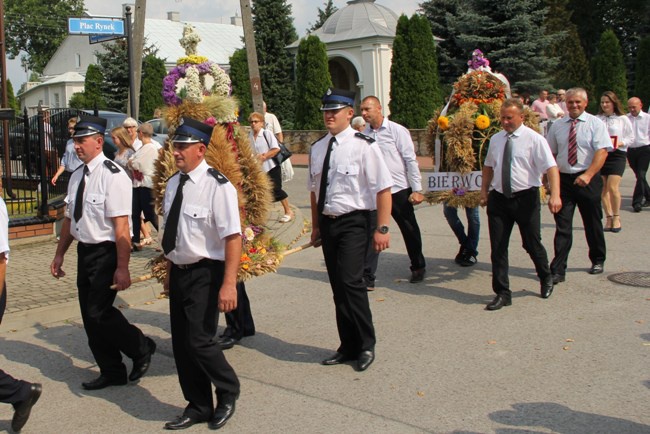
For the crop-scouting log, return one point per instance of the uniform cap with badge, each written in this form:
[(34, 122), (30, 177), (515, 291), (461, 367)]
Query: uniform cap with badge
[(192, 131), (335, 99), (88, 125)]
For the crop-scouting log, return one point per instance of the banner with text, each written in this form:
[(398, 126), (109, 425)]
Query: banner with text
[(441, 181)]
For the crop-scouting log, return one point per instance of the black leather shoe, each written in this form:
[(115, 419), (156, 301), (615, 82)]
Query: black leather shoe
[(546, 288), (181, 422), (597, 269), (468, 260), (24, 408), (336, 359), (417, 275), (365, 360), (498, 302), (227, 342), (459, 256), (558, 278), (224, 411), (638, 207), (141, 366), (102, 382)]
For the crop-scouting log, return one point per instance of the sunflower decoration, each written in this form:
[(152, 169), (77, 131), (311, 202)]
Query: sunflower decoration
[(459, 133), (199, 89)]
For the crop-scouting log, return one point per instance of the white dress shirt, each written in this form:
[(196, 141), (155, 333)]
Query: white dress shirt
[(209, 213), (271, 123), (641, 129), (591, 136), (619, 127), (399, 154), (4, 229), (106, 195), (531, 158), (357, 173)]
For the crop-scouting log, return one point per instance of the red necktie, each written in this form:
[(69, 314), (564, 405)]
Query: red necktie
[(573, 144)]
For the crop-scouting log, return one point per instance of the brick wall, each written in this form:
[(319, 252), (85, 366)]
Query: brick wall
[(300, 141), (32, 230)]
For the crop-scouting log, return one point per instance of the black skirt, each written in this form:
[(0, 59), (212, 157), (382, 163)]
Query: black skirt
[(276, 178), (615, 163)]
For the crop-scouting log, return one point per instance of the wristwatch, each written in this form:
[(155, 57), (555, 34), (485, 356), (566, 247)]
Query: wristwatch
[(382, 229)]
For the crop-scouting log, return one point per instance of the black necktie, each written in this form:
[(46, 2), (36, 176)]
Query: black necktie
[(506, 166), (79, 200), (171, 226), (323, 177)]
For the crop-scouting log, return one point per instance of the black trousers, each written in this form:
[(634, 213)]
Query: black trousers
[(587, 199), (403, 213), (639, 159), (503, 213), (345, 241), (142, 203), (109, 332), (200, 363), (239, 322), (12, 391)]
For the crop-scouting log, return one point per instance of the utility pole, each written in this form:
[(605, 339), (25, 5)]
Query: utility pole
[(138, 45), (129, 52), (251, 54)]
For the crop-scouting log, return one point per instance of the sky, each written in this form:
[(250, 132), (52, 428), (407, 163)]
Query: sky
[(305, 13)]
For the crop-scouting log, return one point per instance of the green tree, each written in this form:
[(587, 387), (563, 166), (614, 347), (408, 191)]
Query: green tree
[(92, 95), (77, 101), (452, 60), (38, 28), (414, 83), (642, 87), (511, 34), (12, 102), (323, 15), (608, 67), (112, 64), (572, 69), (240, 81), (274, 30), (312, 80), (153, 72)]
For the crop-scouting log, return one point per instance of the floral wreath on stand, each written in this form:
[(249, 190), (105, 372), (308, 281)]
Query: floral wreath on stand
[(199, 89), (459, 133)]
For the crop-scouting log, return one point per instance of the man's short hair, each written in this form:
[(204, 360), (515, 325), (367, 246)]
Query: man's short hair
[(577, 91), (357, 122), (513, 102)]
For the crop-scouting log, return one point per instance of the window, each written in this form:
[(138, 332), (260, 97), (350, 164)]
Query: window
[(77, 60)]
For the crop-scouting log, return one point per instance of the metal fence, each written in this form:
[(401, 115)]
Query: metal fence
[(31, 148)]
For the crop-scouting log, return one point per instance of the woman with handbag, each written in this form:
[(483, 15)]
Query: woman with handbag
[(267, 147)]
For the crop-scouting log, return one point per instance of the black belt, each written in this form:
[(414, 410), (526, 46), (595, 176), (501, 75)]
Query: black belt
[(202, 263), (350, 214), (572, 175), (520, 192), (102, 244)]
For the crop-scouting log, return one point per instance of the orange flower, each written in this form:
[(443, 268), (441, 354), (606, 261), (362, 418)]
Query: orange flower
[(443, 122), (482, 122)]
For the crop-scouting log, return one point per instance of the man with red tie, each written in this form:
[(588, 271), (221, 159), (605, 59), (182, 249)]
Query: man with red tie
[(579, 143)]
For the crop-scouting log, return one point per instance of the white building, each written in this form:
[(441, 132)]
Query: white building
[(66, 70), (359, 39)]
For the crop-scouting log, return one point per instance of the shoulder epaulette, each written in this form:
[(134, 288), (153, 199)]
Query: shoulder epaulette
[(217, 175), (364, 137), (318, 139), (111, 166)]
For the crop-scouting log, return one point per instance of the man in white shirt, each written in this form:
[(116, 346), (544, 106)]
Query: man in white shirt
[(638, 153), (516, 160), (398, 151), (272, 124)]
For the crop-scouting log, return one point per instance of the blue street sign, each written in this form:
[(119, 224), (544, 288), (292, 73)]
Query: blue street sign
[(95, 26)]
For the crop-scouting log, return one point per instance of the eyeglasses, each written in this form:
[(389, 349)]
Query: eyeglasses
[(130, 126), (256, 122)]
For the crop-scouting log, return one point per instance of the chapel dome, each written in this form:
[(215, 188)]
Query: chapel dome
[(359, 19)]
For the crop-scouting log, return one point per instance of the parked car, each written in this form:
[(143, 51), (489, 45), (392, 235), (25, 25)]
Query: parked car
[(159, 129), (113, 119)]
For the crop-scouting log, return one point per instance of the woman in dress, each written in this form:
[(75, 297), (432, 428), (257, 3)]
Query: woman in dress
[(124, 143), (620, 130), (266, 146)]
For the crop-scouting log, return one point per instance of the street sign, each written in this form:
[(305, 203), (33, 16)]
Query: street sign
[(96, 26), (98, 39)]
